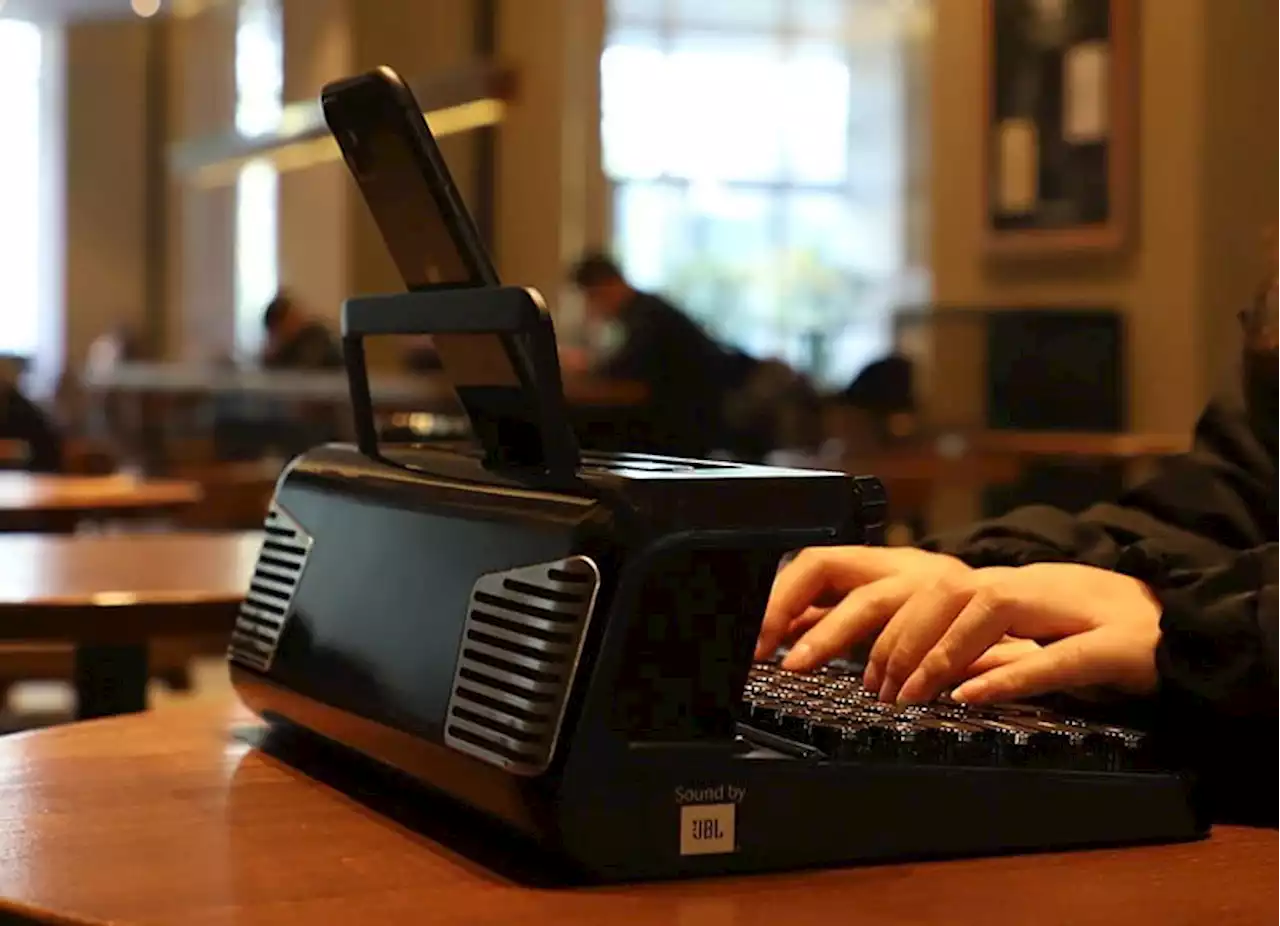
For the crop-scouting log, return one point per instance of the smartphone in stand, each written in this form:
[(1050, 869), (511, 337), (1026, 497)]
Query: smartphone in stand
[(509, 384)]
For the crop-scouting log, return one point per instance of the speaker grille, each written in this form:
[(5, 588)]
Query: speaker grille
[(516, 662), (269, 600)]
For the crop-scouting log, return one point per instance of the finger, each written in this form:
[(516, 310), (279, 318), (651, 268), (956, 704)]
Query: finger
[(802, 582), (1001, 654), (922, 621), (1074, 662), (862, 612), (809, 618), (916, 628), (979, 625)]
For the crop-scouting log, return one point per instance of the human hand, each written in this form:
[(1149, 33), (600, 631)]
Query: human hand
[(1097, 629), (841, 595)]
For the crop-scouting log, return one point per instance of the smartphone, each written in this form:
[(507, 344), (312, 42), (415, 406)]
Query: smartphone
[(403, 178), (509, 384)]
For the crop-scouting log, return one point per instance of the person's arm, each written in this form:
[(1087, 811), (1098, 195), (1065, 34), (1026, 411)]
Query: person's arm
[(1217, 695), (638, 354), (1198, 509)]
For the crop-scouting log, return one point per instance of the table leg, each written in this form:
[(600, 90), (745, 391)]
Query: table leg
[(110, 680)]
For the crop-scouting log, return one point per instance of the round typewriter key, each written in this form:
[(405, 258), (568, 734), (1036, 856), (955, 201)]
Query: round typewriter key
[(792, 725), (1127, 748), (1011, 740), (826, 736), (921, 743)]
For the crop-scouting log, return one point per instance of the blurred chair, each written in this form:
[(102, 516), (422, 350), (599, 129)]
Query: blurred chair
[(768, 408)]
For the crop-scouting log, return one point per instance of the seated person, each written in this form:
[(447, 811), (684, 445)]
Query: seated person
[(295, 341), (21, 420), (1167, 598), (683, 369), (251, 427), (876, 408)]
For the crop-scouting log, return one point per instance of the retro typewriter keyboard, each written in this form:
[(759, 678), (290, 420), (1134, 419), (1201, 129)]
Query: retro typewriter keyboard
[(828, 711)]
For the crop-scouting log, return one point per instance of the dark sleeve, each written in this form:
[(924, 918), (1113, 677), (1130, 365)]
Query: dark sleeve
[(23, 421), (1196, 510), (639, 355), (1217, 702)]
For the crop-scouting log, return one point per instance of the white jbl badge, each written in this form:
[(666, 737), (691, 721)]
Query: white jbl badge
[(707, 829)]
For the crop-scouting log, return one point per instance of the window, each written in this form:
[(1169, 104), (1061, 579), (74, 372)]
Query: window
[(20, 184), (259, 104), (757, 151)]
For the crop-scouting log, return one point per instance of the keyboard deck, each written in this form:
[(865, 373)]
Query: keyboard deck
[(830, 712)]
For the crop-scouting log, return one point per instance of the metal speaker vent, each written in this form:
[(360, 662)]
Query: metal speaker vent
[(269, 600), (516, 662)]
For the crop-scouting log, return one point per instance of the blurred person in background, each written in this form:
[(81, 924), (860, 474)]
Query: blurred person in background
[(295, 340), (249, 428), (684, 371), (23, 422), (874, 410)]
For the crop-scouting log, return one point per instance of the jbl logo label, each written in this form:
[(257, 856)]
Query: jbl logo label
[(706, 829)]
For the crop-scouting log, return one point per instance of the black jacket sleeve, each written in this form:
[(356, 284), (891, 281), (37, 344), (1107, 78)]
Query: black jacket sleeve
[(1217, 701), (1196, 511)]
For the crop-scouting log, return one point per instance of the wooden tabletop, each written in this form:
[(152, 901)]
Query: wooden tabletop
[(168, 817), (412, 392), (41, 493), (1080, 445), (122, 587)]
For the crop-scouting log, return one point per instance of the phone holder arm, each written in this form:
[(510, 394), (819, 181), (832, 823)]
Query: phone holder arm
[(497, 347)]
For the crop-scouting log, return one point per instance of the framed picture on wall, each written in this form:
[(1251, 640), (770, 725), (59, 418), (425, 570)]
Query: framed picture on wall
[(1060, 125)]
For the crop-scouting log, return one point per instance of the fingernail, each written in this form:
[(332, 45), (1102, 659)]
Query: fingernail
[(961, 695), (799, 659), (870, 679), (910, 692), (888, 692), (762, 652)]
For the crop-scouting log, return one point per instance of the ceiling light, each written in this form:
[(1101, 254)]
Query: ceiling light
[(145, 8)]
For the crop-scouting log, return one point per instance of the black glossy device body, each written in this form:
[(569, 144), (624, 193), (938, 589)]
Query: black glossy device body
[(566, 650)]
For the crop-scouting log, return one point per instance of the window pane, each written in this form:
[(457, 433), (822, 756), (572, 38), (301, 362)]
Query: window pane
[(818, 17), (724, 277), (20, 95), (730, 14), (259, 103), (259, 67), (770, 136), (256, 251), (723, 112), (634, 129), (815, 119), (650, 231), (626, 12)]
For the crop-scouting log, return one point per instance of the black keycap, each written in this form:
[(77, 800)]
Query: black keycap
[(764, 714)]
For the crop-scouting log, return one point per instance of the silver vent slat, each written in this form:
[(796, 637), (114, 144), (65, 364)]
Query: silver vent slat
[(546, 646), (516, 662), (268, 601), (519, 703)]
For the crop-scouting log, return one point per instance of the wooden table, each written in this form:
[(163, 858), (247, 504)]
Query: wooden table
[(1075, 445), (428, 392), (167, 817), (39, 501), (109, 594)]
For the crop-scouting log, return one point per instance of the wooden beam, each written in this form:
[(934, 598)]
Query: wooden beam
[(460, 100)]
